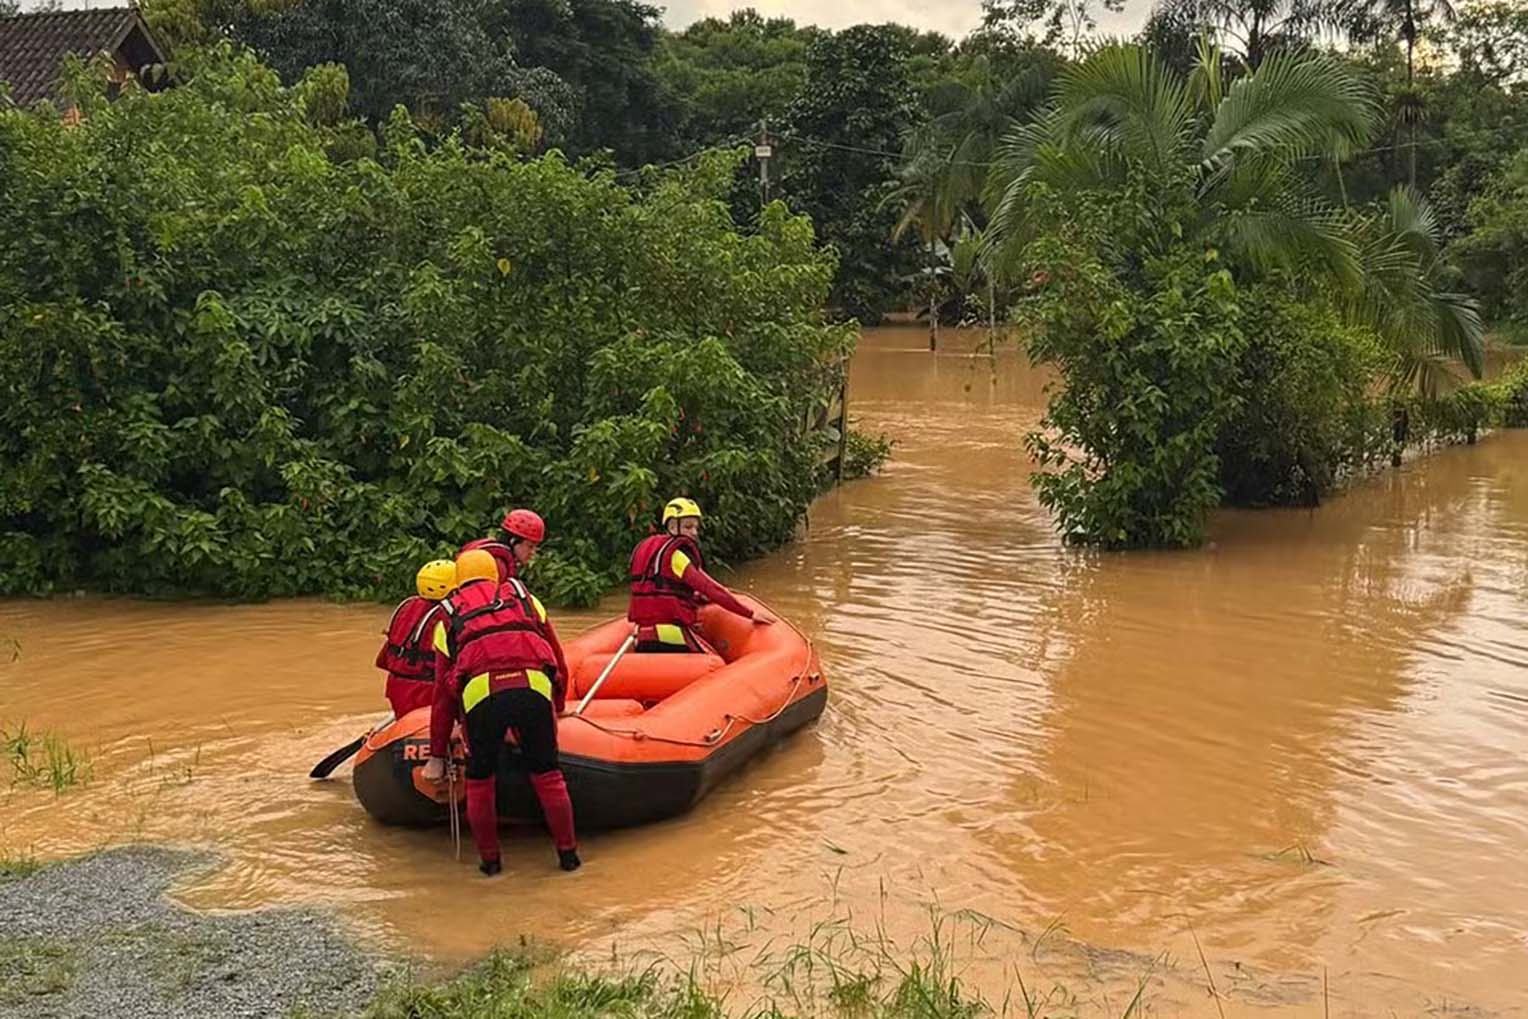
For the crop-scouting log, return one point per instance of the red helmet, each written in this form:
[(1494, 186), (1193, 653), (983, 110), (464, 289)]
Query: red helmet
[(524, 523)]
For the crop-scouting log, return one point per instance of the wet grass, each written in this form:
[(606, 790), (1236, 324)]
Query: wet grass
[(835, 973), (510, 984), (16, 864), (34, 968), (43, 759)]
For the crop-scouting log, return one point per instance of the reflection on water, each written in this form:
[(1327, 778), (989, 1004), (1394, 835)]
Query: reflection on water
[(1301, 746)]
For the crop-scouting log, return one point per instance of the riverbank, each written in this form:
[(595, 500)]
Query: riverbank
[(97, 936)]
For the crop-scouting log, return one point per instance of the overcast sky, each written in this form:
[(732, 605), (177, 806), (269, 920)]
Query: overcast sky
[(952, 17)]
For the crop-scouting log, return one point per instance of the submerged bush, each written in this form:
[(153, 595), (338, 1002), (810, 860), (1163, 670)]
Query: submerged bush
[(1309, 414), (230, 364)]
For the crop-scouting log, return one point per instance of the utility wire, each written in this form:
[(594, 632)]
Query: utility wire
[(736, 140)]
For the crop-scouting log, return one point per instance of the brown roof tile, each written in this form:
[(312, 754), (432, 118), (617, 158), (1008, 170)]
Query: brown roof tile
[(33, 46)]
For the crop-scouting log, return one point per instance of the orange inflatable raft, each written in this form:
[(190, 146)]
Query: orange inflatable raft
[(660, 733)]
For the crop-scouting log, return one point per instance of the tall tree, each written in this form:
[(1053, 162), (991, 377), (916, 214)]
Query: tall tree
[(428, 55), (1067, 24), (724, 76), (1251, 29), (843, 134), (604, 50), (1406, 20), (930, 195), (970, 112)]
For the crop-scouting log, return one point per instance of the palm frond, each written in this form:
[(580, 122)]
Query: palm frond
[(1292, 105), (1124, 97), (1411, 220)]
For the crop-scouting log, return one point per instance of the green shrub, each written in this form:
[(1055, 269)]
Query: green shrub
[(1308, 415), (1128, 444), (232, 365)]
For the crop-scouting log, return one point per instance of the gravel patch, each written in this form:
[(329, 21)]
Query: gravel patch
[(96, 937)]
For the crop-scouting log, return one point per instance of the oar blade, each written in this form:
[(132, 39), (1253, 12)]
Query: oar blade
[(323, 768)]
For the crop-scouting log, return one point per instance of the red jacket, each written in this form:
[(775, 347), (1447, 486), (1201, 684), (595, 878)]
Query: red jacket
[(500, 630), (406, 651), (669, 583)]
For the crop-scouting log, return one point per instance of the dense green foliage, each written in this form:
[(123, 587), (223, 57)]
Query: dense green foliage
[(1266, 262), (1148, 357), (1217, 324), (857, 104), (726, 76), (233, 365), (1494, 252)]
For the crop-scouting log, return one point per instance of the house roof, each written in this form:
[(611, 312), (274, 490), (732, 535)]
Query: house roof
[(33, 46)]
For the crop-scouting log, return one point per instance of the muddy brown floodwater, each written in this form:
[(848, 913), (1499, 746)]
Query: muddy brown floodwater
[(1303, 748)]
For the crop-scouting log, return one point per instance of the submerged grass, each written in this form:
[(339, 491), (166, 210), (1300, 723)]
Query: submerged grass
[(43, 759)]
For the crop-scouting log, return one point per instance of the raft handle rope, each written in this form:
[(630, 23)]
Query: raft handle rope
[(713, 737)]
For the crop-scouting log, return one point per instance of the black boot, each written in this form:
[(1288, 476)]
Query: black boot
[(491, 867), (568, 859)]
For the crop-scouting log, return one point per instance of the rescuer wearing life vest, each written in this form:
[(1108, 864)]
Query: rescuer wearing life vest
[(498, 662), (669, 581), (408, 652), (517, 526)]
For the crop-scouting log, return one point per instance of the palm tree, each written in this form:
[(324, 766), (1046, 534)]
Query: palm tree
[(1254, 28), (1373, 20), (1241, 145), (930, 195), (1427, 327), (971, 113)]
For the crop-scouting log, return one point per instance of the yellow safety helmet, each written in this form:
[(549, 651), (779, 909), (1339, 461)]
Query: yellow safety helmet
[(476, 564), (680, 508), (435, 579)]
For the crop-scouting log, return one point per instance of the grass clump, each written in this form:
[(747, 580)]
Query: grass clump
[(17, 864), (32, 968), (43, 759), (508, 984)]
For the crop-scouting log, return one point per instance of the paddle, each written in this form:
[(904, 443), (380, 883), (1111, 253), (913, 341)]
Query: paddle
[(625, 646), (344, 753), (334, 760)]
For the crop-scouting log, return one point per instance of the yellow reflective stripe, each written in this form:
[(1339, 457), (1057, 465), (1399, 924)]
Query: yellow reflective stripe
[(475, 690), (540, 611), (439, 641), (539, 682), (680, 563), (478, 687), (668, 633)]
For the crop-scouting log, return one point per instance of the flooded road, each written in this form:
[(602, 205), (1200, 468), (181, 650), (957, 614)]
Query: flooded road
[(1301, 751)]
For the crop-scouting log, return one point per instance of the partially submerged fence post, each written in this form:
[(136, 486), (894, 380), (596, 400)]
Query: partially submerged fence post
[(834, 413)]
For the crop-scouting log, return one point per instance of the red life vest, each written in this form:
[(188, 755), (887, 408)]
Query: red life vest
[(406, 652), (656, 597), (502, 554), (494, 629)]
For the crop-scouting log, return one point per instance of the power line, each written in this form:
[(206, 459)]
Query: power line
[(737, 140)]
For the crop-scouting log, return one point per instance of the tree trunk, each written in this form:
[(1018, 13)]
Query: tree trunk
[(1410, 31), (933, 302)]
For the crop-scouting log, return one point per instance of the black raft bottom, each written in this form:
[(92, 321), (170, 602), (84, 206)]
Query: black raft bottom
[(605, 794)]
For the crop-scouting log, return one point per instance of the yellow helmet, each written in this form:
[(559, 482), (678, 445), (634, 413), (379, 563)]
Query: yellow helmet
[(435, 579), (680, 508), (476, 564)]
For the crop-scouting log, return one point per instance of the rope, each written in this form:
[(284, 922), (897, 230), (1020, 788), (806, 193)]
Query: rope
[(456, 818), (712, 738)]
